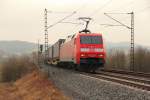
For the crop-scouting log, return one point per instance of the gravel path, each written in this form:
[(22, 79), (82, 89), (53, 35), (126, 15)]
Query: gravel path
[(81, 87)]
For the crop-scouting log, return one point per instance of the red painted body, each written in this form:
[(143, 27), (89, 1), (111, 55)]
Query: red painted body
[(70, 50), (91, 53)]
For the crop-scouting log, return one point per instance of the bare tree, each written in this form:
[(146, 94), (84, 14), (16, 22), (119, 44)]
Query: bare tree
[(15, 67), (142, 56), (116, 59)]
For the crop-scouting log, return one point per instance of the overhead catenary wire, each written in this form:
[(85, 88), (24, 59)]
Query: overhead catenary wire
[(71, 30), (126, 5), (81, 7), (116, 13), (132, 35), (73, 23), (136, 12), (47, 27), (100, 8), (117, 20), (61, 20), (92, 14), (56, 12), (77, 10), (107, 25)]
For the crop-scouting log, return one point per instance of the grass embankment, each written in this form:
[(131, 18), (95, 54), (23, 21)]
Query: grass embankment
[(33, 86), (15, 67), (0, 73), (21, 80)]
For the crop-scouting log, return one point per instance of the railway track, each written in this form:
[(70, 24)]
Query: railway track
[(124, 78), (132, 81), (139, 74), (127, 77)]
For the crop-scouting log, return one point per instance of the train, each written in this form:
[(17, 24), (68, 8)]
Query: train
[(81, 51)]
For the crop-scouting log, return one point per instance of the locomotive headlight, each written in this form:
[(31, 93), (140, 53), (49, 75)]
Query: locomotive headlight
[(99, 49), (84, 49), (100, 55), (82, 55)]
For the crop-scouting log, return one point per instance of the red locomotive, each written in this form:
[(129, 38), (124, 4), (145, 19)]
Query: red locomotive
[(83, 51)]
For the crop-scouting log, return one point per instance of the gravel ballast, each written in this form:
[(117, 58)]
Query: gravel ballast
[(81, 87)]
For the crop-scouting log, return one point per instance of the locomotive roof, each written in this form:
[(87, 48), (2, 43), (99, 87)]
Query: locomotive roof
[(83, 34), (91, 34)]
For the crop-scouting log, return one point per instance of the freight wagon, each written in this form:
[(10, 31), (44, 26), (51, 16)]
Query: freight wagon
[(54, 52)]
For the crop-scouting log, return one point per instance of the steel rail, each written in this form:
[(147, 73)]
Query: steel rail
[(140, 74), (122, 81), (132, 78)]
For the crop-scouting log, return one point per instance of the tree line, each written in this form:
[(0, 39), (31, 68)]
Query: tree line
[(120, 59)]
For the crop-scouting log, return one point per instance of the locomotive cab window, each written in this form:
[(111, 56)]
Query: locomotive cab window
[(90, 39)]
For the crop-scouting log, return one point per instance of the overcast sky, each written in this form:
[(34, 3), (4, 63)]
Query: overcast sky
[(24, 19)]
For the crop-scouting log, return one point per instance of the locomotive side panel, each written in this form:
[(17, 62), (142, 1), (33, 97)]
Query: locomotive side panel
[(67, 51)]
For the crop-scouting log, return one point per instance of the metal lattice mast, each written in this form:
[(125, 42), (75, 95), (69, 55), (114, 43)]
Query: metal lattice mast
[(132, 34), (132, 43), (47, 27), (46, 36)]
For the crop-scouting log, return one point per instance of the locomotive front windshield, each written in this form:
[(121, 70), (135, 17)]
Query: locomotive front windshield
[(90, 39)]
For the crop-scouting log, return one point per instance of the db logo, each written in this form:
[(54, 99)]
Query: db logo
[(91, 48)]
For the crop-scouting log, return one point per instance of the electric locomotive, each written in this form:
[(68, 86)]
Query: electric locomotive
[(82, 51)]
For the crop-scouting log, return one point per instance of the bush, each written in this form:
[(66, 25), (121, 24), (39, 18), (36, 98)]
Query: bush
[(15, 67)]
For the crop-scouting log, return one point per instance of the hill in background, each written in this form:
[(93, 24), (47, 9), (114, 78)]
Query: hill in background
[(16, 47), (23, 47)]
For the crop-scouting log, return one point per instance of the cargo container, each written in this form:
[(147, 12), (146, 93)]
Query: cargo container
[(54, 50), (50, 52)]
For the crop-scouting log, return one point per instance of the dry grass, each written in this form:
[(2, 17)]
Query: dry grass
[(15, 67), (22, 81), (0, 73), (33, 86)]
